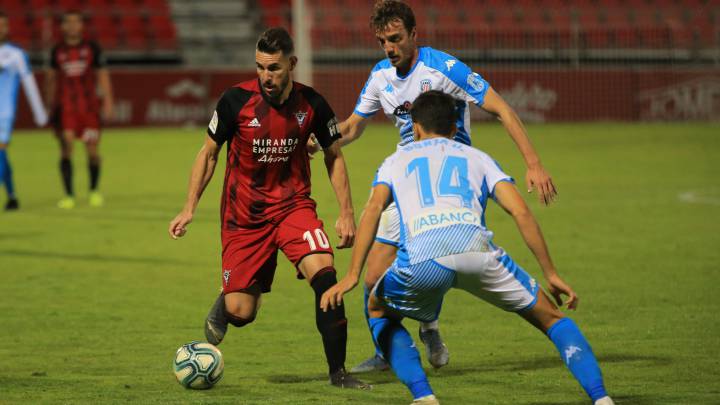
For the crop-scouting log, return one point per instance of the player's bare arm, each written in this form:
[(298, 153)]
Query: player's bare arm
[(352, 128), (536, 175), (200, 176), (107, 93), (510, 200), (380, 198), (337, 171)]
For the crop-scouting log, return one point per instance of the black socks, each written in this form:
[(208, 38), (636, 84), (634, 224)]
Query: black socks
[(332, 324)]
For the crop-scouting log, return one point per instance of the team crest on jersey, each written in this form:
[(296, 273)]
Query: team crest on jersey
[(425, 85), (300, 117), (402, 110)]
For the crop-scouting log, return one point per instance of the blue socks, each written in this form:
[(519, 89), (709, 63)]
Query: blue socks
[(6, 174), (578, 356), (366, 297), (398, 348)]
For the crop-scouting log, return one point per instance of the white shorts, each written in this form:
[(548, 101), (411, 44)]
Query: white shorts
[(417, 291), (389, 227), (6, 127), (493, 277)]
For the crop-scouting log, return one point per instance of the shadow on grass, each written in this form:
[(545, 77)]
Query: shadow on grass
[(618, 399), (92, 257)]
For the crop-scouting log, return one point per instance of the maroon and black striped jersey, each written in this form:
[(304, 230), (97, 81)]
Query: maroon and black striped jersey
[(75, 67), (268, 168)]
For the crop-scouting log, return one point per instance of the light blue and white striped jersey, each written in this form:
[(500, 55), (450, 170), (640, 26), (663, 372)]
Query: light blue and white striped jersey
[(441, 189), (434, 70), (15, 69)]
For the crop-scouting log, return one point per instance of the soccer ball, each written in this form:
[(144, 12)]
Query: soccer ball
[(198, 365)]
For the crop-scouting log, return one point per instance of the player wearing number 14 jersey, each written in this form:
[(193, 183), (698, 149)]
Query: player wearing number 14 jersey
[(266, 204)]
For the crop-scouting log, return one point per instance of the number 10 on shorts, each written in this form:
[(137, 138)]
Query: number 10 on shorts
[(320, 237)]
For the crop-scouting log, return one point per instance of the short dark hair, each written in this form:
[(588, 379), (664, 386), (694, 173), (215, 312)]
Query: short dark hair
[(274, 40), (435, 111), (68, 13), (387, 11)]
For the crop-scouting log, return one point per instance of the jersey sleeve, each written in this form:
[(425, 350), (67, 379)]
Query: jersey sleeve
[(384, 173), (493, 173), (368, 102), (98, 60), (223, 122), (468, 85), (324, 125), (31, 90)]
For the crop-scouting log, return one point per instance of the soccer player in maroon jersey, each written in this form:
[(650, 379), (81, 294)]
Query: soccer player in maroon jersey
[(266, 204), (77, 70)]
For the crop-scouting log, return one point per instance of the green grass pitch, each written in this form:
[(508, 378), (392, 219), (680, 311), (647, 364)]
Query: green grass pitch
[(94, 302)]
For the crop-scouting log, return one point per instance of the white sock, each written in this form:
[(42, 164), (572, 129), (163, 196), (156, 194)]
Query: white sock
[(431, 396), (426, 326)]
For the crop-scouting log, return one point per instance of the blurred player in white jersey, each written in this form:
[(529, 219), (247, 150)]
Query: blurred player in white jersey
[(392, 87), (14, 70), (441, 188)]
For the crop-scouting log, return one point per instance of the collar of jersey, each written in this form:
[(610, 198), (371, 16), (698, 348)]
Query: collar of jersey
[(270, 102), (403, 77)]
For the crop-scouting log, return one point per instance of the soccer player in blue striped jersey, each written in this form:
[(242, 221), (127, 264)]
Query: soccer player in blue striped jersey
[(441, 188), (14, 70), (392, 87)]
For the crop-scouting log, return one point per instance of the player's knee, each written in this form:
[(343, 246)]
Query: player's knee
[(238, 321), (240, 315)]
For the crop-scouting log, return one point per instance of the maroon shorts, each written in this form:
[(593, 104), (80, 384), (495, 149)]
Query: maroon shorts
[(249, 256), (85, 125)]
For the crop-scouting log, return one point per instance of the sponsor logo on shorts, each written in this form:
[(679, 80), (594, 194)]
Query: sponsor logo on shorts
[(403, 110), (226, 276)]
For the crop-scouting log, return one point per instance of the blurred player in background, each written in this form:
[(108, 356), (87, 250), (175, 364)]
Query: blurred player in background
[(393, 85), (78, 68), (441, 188), (266, 204), (14, 69)]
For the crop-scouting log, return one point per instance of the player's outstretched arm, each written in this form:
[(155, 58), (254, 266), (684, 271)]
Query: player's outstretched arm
[(510, 200), (351, 129), (337, 171), (200, 176), (536, 175), (379, 199)]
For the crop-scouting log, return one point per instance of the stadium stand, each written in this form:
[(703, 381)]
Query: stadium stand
[(129, 30), (527, 30)]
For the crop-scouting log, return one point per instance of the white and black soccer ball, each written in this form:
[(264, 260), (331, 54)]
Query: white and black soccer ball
[(198, 365)]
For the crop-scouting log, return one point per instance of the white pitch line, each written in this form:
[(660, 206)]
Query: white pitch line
[(692, 197)]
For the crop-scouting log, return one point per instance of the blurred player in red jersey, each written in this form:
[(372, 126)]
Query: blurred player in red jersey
[(266, 204), (78, 68)]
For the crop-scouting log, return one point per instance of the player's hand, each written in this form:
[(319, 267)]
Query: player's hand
[(536, 177), (557, 288), (333, 297), (312, 146), (178, 226), (345, 227)]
